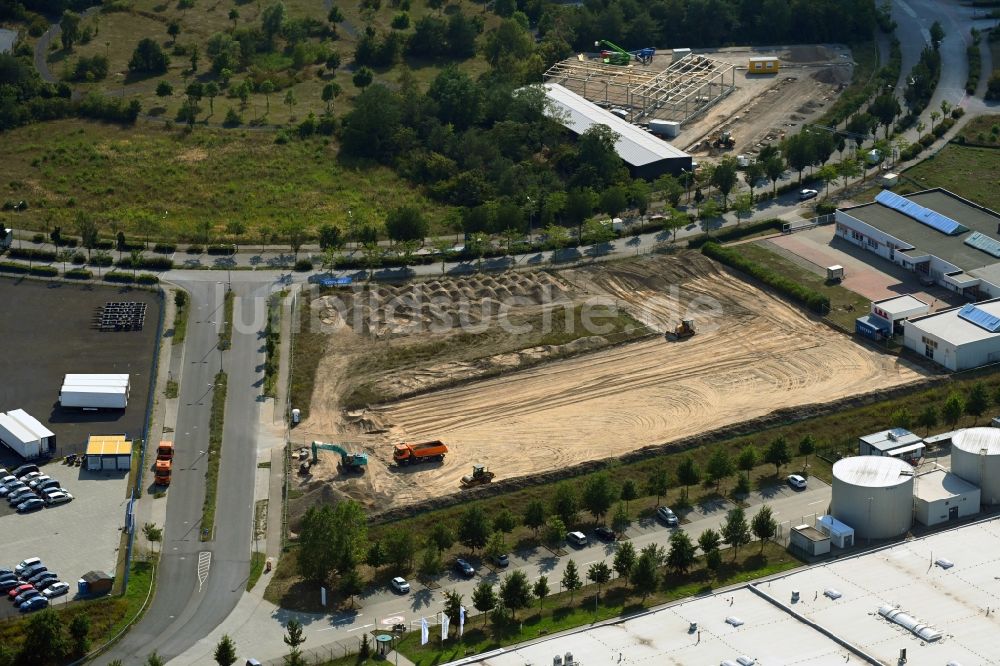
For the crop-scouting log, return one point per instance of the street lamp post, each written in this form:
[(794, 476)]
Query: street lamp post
[(229, 266)]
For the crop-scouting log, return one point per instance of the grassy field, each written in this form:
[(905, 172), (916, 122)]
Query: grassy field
[(257, 561), (971, 172), (118, 32), (215, 426), (982, 130), (564, 611), (308, 348), (118, 175), (840, 298), (108, 616)]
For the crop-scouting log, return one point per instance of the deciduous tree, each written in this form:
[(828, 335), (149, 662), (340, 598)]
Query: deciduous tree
[(764, 526), (571, 579), (735, 531), (598, 495), (624, 560), (515, 592), (777, 454), (688, 473), (681, 554), (658, 483)]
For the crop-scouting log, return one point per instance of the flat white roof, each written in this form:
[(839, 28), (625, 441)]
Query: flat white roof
[(940, 484), (948, 326), (86, 376), (94, 388), (952, 601), (834, 525), (24, 426), (902, 305), (977, 440), (883, 442), (635, 145)]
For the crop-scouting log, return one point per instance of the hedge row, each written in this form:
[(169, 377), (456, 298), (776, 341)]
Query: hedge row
[(223, 250), (975, 59), (102, 260), (150, 263), (125, 278), (734, 233), (32, 254), (165, 248), (21, 269), (814, 300), (78, 274)]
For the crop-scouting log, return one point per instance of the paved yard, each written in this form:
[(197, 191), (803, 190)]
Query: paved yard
[(72, 538), (864, 272)]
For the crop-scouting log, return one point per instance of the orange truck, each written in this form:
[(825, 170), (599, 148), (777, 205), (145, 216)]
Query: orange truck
[(411, 454), (164, 463)]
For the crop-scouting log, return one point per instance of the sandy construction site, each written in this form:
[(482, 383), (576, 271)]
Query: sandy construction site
[(753, 354)]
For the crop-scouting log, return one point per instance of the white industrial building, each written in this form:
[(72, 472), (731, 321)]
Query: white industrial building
[(25, 435), (95, 391), (948, 240), (646, 156), (874, 495), (975, 456), (823, 615), (887, 316), (959, 338), (809, 540), (940, 496)]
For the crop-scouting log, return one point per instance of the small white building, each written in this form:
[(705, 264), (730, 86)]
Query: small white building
[(810, 540), (25, 435), (959, 338), (841, 535), (109, 452), (894, 442), (940, 496)]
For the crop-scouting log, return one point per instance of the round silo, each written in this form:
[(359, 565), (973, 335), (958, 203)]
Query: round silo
[(874, 495), (975, 456)]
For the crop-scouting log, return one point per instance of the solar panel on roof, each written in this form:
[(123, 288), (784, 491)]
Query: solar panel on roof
[(912, 209), (980, 318), (983, 242)]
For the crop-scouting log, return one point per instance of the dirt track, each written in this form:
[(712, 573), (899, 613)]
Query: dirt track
[(753, 354)]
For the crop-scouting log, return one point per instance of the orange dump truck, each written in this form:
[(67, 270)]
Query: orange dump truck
[(164, 463), (411, 454)]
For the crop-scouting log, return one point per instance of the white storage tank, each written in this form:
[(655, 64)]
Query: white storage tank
[(874, 495), (975, 457)]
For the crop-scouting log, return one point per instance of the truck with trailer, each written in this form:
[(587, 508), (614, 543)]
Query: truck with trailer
[(411, 454)]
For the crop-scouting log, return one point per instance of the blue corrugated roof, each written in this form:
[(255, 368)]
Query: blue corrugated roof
[(983, 242), (980, 318), (931, 218)]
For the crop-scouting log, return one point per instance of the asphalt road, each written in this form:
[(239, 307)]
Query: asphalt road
[(199, 583)]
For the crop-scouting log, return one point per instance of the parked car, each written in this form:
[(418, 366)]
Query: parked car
[(400, 585), (8, 584), (27, 594), (605, 533), (805, 195), (31, 504), (17, 497), (59, 497), (27, 564), (4, 573), (8, 578), (44, 583), (56, 589), (24, 469), (501, 560), (578, 539), (33, 484), (797, 481), (33, 604), (667, 515), (12, 488), (464, 568), (14, 591), (31, 571), (6, 479), (46, 486), (40, 576), (4, 472), (29, 477)]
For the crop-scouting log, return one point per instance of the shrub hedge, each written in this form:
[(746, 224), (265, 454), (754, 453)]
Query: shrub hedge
[(223, 250), (100, 260), (115, 276), (151, 263), (31, 253), (733, 233), (165, 248), (78, 274), (147, 278), (304, 265), (814, 300)]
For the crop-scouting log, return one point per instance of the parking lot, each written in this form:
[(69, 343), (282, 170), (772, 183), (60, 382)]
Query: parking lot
[(72, 538), (47, 332), (865, 273)]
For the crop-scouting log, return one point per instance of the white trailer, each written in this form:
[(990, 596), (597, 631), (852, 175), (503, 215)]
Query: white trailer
[(108, 391), (24, 435)]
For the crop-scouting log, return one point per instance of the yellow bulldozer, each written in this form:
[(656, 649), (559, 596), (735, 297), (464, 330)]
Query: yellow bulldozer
[(724, 140), (685, 329), (480, 476)]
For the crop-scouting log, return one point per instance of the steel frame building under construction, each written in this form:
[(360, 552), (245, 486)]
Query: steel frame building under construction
[(678, 93)]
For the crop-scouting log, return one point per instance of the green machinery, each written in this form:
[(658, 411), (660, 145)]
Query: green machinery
[(616, 56), (349, 462)]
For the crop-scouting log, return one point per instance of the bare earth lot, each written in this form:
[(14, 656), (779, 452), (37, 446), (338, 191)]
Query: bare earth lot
[(753, 354), (46, 332)]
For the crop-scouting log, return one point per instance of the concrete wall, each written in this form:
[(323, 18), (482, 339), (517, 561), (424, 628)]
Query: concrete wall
[(945, 354)]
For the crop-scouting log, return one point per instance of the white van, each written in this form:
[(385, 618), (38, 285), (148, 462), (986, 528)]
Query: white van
[(27, 564), (577, 538)]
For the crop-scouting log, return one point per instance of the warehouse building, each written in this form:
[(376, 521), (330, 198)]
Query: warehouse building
[(25, 435), (109, 452), (645, 155), (940, 496), (887, 316), (809, 541), (959, 338), (943, 238)]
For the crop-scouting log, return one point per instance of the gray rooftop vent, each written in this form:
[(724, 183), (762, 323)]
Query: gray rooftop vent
[(832, 593), (944, 564), (733, 620)]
